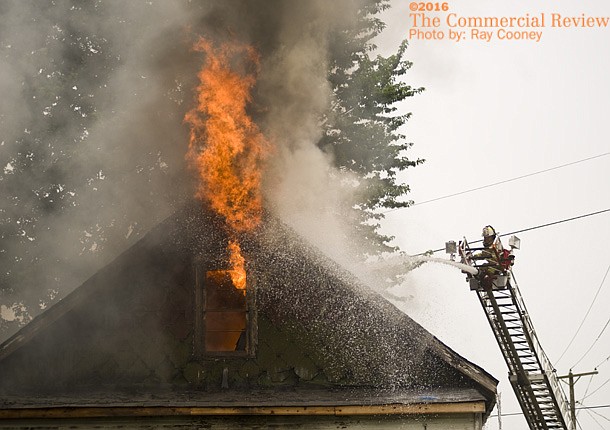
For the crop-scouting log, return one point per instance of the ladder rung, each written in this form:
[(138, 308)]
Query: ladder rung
[(517, 344)]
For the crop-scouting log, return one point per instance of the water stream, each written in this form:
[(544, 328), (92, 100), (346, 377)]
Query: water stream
[(461, 266), (417, 261)]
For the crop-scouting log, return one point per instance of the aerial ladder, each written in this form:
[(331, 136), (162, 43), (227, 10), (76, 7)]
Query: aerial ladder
[(530, 372)]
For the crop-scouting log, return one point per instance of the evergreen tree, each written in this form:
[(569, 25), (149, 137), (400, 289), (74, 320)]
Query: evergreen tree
[(40, 149), (63, 212), (363, 129)]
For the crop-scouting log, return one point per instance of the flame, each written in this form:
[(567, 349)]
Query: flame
[(226, 147), (238, 264)]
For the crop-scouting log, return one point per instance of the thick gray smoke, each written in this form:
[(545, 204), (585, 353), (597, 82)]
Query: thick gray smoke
[(292, 93), (304, 187), (92, 139)]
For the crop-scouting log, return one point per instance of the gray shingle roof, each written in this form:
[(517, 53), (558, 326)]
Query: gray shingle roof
[(322, 334)]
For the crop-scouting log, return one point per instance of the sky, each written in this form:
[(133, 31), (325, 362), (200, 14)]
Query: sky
[(493, 111)]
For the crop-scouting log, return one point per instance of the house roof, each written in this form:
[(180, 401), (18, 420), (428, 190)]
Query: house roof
[(353, 324), (361, 341)]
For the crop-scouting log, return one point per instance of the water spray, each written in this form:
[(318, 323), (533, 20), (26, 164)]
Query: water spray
[(463, 267), (413, 262)]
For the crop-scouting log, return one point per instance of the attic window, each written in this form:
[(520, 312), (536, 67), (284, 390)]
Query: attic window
[(225, 315)]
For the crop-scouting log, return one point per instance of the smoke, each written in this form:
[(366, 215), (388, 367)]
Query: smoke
[(302, 184), (92, 139), (293, 39)]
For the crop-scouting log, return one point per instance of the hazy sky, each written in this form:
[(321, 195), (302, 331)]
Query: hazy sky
[(494, 111)]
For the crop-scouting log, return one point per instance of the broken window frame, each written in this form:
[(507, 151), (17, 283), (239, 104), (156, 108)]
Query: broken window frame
[(202, 313)]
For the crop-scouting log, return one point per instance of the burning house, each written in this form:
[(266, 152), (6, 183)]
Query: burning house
[(165, 334), (222, 316)]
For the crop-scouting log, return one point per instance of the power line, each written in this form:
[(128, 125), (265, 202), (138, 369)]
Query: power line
[(553, 223), (594, 407), (586, 391), (596, 390), (510, 414), (603, 361), (500, 182), (591, 411), (584, 318), (600, 415), (593, 344), (595, 420), (528, 229)]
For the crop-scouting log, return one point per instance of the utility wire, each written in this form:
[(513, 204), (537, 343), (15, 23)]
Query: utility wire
[(586, 391), (594, 419), (585, 317), (591, 411), (588, 409), (500, 182), (599, 415), (510, 414), (528, 229), (603, 361), (593, 344), (594, 407), (596, 390), (552, 223)]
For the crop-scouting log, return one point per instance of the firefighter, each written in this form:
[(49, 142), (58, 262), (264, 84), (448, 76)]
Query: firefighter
[(492, 252)]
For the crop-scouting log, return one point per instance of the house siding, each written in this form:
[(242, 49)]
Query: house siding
[(451, 422)]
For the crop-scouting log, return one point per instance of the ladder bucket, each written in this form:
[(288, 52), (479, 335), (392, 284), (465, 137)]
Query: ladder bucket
[(500, 281)]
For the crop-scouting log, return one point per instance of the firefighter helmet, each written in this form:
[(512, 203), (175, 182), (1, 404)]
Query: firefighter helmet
[(489, 235), (488, 231)]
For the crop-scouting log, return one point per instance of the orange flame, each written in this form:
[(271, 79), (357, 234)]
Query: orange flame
[(226, 148), (238, 264)]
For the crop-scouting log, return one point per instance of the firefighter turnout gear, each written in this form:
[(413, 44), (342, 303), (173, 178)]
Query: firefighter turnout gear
[(492, 260)]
